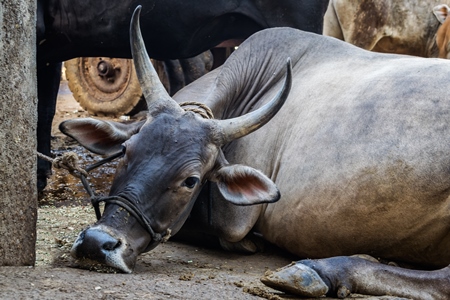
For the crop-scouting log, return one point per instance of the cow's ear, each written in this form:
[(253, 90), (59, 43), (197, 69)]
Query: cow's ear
[(441, 12), (101, 137), (243, 185)]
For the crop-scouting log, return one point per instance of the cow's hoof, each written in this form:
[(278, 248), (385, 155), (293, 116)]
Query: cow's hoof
[(296, 279)]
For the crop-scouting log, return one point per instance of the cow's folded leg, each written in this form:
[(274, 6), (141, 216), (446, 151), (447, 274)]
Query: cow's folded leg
[(345, 275), (250, 244)]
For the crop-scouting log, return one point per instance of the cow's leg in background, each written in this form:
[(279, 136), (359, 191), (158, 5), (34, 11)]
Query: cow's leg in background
[(49, 76)]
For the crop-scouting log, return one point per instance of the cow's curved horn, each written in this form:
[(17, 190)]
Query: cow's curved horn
[(243, 125), (152, 88)]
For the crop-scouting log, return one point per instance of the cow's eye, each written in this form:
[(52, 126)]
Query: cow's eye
[(124, 149), (190, 182)]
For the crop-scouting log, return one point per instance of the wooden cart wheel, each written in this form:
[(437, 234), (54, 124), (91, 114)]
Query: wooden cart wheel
[(104, 86)]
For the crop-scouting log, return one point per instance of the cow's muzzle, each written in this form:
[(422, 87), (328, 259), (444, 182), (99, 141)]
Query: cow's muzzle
[(109, 246), (102, 245), (105, 245)]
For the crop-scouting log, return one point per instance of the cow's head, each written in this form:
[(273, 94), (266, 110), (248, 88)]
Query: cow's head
[(167, 159), (443, 34)]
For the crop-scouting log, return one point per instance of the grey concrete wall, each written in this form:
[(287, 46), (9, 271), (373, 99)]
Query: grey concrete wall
[(18, 117)]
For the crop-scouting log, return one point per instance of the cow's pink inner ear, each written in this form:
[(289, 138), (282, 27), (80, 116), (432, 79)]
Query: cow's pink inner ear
[(88, 134), (98, 136), (242, 185)]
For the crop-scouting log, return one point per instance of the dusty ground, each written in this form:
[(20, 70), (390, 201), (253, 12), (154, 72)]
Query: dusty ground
[(172, 271)]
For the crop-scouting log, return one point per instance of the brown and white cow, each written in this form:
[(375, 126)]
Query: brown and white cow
[(413, 27), (443, 33), (359, 151)]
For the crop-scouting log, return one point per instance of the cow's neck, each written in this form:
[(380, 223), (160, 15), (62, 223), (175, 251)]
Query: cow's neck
[(239, 89)]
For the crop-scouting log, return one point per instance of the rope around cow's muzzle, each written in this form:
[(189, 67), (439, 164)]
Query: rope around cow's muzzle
[(131, 208), (69, 161)]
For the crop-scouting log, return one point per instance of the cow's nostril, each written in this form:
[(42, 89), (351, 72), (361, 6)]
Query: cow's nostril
[(95, 244), (111, 245)]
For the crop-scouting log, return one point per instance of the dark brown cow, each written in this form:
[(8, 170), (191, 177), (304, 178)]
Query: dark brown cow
[(174, 29)]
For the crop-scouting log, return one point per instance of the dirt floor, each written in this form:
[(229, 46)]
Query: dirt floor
[(173, 270)]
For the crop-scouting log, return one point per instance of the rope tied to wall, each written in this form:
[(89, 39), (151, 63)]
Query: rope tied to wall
[(67, 161)]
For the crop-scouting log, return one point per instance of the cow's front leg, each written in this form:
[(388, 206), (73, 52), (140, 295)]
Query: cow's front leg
[(49, 76), (230, 223), (344, 275)]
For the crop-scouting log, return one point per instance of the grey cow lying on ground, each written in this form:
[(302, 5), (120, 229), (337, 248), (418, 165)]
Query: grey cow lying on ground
[(359, 151)]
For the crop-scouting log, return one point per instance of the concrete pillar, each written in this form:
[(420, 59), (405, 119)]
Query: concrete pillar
[(18, 117)]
